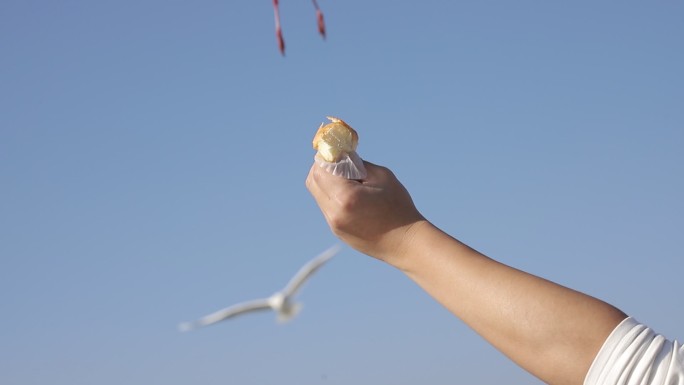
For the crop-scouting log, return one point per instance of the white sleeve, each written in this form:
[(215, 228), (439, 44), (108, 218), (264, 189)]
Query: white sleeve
[(633, 354)]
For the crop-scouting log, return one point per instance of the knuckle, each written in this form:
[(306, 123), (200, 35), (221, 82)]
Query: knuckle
[(338, 222), (349, 202)]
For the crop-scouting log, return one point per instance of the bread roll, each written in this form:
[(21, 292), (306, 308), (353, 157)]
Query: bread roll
[(335, 139), (336, 144)]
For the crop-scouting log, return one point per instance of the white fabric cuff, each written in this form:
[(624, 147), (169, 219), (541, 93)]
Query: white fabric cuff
[(633, 354)]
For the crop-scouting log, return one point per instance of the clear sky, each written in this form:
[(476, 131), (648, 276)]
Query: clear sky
[(153, 156)]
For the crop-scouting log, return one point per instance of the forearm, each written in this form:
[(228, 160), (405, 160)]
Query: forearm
[(551, 331)]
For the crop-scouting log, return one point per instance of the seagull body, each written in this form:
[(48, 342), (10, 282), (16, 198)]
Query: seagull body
[(280, 302)]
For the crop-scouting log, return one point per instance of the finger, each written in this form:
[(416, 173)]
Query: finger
[(313, 186), (333, 194), (325, 188), (320, 196)]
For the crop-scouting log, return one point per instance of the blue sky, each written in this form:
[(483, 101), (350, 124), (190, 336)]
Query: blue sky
[(153, 157)]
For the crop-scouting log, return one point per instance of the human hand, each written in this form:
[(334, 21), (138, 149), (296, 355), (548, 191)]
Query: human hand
[(374, 216)]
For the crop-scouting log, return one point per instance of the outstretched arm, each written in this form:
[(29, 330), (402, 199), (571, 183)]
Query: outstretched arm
[(549, 330)]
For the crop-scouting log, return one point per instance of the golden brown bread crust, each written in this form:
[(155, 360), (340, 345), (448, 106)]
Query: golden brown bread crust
[(334, 139)]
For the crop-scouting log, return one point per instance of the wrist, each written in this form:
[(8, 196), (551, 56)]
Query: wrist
[(405, 243)]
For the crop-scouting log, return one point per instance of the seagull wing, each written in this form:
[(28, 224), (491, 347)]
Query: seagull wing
[(309, 268), (229, 312)]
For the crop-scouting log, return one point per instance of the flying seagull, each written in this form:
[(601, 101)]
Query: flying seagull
[(281, 302)]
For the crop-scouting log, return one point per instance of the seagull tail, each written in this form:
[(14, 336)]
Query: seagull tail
[(285, 316)]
